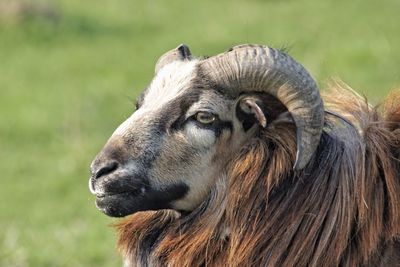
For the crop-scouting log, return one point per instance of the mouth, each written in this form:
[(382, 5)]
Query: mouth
[(124, 196), (116, 186), (118, 197), (120, 194), (119, 204)]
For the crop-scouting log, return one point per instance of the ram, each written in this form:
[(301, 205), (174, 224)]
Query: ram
[(236, 160)]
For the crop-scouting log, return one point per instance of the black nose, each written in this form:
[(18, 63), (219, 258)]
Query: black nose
[(104, 168)]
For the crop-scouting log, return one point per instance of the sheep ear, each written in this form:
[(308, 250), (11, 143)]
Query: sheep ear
[(249, 112), (181, 53)]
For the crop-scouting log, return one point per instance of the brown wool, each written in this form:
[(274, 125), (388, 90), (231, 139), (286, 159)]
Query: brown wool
[(343, 209)]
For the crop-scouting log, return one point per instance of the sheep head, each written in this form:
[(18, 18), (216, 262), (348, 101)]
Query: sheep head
[(193, 118)]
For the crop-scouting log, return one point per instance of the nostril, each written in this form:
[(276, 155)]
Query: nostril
[(109, 167)]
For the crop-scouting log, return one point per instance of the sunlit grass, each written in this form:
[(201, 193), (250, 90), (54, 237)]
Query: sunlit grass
[(65, 84)]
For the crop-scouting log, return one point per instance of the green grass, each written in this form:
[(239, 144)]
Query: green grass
[(65, 85)]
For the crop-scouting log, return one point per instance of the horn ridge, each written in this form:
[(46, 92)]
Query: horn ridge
[(249, 68)]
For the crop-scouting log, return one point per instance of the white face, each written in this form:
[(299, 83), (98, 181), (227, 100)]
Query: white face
[(170, 151)]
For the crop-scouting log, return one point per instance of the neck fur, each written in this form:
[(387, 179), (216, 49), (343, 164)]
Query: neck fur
[(343, 209)]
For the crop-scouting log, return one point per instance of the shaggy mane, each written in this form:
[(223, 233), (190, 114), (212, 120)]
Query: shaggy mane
[(341, 210)]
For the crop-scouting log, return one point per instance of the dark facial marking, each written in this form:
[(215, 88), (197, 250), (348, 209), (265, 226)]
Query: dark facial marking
[(270, 106), (123, 204), (217, 126), (247, 120), (179, 107)]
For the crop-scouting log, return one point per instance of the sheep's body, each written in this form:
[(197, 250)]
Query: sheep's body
[(343, 210), (243, 165)]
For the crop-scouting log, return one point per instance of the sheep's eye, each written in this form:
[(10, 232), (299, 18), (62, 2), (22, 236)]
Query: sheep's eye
[(205, 117)]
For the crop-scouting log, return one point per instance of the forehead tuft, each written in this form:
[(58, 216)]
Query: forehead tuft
[(170, 82)]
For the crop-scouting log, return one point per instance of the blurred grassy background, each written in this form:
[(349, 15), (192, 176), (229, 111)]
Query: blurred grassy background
[(69, 71)]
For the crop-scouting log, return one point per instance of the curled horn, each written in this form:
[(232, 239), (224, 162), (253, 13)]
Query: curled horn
[(255, 68), (182, 52)]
